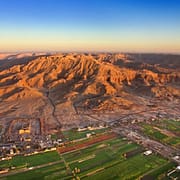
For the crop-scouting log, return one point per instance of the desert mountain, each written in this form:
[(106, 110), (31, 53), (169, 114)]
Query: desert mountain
[(68, 90)]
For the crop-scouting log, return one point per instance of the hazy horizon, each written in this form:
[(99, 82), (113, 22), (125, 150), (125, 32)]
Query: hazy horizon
[(98, 52), (141, 26)]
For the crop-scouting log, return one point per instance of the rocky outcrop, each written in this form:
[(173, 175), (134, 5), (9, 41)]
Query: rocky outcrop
[(100, 82)]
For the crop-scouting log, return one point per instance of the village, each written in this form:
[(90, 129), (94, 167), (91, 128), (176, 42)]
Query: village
[(27, 144)]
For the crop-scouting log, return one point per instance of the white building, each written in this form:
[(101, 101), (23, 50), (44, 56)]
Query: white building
[(147, 153)]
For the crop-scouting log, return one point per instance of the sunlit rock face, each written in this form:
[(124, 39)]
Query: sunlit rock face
[(63, 90)]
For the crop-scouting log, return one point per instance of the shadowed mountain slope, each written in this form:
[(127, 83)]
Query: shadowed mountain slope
[(60, 89)]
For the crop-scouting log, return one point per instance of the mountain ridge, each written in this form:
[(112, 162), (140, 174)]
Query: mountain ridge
[(58, 88)]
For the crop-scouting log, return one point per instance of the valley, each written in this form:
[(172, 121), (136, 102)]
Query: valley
[(71, 102)]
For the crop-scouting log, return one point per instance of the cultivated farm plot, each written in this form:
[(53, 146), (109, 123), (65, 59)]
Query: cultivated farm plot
[(106, 160), (160, 172), (165, 131), (32, 160), (170, 124), (57, 171), (102, 160), (74, 134)]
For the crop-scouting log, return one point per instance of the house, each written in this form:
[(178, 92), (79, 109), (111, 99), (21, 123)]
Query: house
[(88, 135), (178, 168), (147, 153), (81, 129), (24, 131)]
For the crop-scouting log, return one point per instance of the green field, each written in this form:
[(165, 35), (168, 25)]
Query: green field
[(170, 125), (33, 160), (131, 168), (74, 134), (50, 172), (109, 156), (104, 160), (160, 172), (150, 131)]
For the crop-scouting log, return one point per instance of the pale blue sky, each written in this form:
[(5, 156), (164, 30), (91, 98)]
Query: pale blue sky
[(90, 25)]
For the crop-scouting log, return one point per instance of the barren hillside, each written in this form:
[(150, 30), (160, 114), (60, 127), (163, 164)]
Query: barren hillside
[(68, 90)]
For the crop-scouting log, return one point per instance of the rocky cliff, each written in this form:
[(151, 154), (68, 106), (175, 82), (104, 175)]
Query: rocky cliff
[(60, 89)]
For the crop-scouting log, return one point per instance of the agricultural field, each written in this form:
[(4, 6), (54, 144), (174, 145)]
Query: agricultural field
[(49, 172), (165, 131), (170, 124), (161, 172), (32, 160), (114, 157), (73, 134), (107, 160)]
